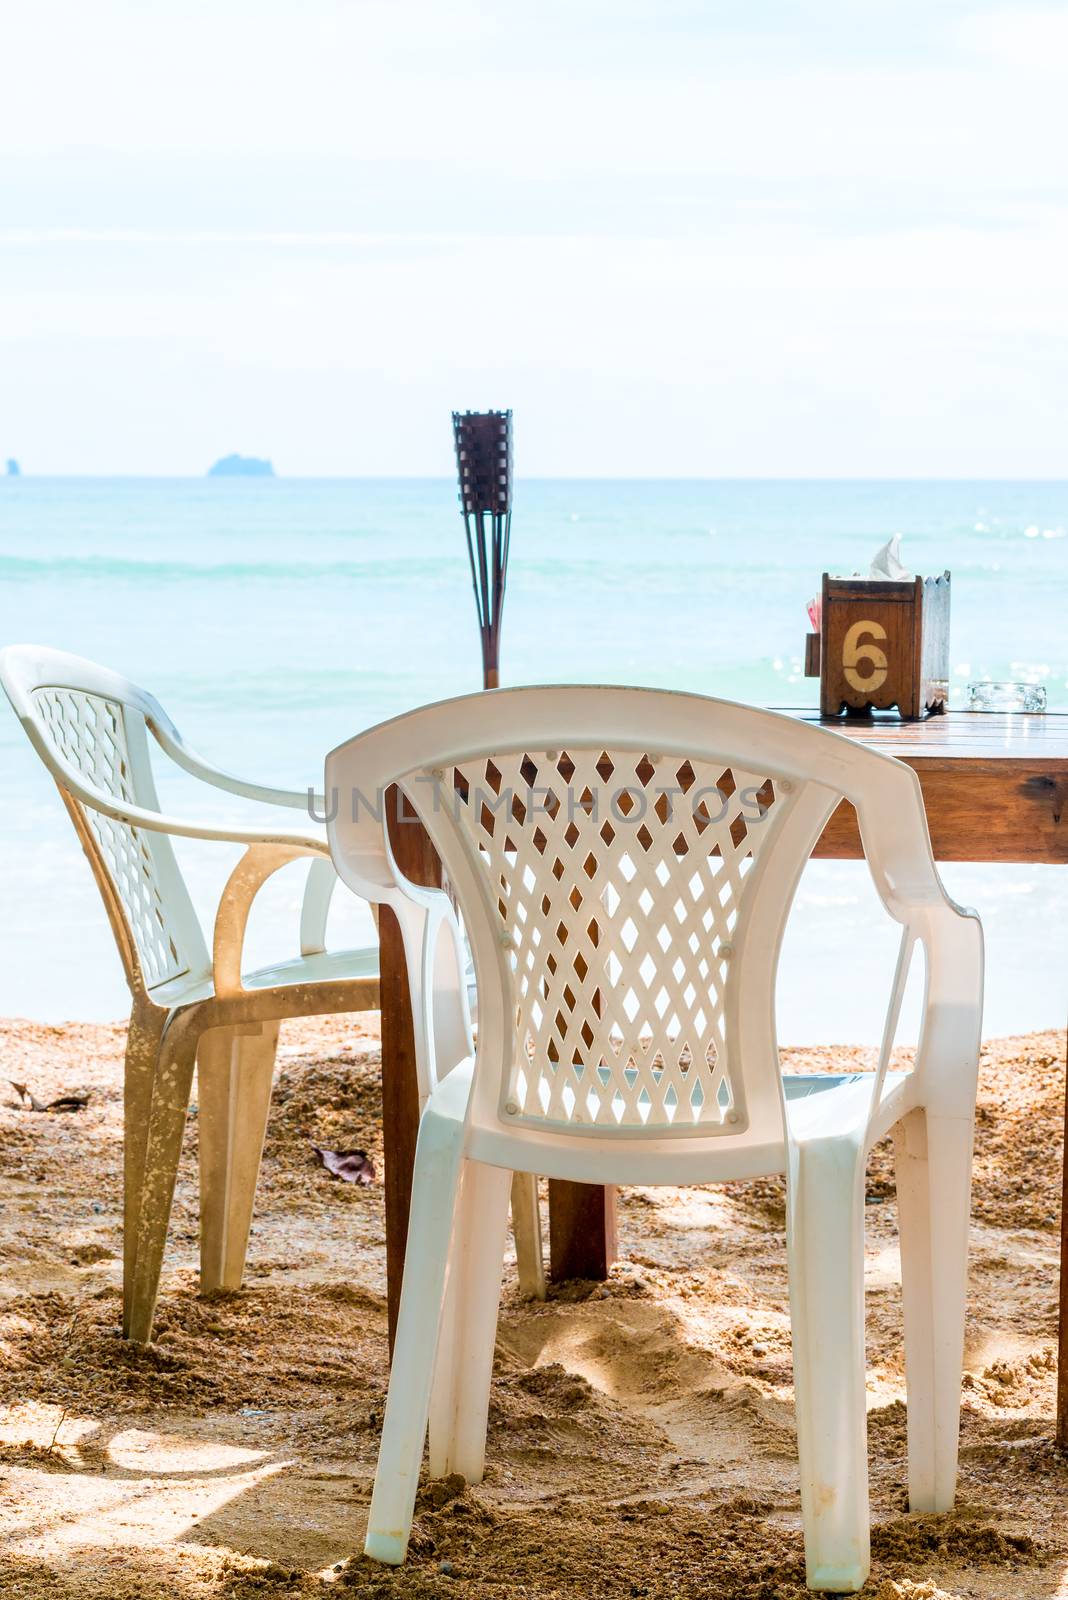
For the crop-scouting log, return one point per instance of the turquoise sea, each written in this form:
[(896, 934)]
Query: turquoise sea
[(274, 618)]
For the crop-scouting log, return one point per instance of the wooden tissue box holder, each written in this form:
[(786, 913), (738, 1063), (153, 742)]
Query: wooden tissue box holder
[(882, 643)]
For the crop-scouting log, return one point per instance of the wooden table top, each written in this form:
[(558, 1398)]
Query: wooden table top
[(986, 740), (995, 783)]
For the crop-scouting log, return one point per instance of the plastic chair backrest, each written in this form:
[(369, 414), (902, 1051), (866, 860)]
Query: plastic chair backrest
[(620, 884), (625, 862), (86, 721)]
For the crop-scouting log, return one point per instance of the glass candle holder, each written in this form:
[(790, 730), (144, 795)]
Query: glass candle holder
[(988, 696)]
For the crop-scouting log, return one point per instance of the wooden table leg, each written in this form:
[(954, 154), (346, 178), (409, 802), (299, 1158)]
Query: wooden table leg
[(582, 1229), (1062, 1340), (582, 1216), (418, 860)]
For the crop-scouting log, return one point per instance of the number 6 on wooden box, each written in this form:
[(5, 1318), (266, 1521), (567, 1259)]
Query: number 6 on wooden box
[(884, 643)]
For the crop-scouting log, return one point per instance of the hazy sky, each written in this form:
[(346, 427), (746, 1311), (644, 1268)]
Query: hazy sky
[(678, 236)]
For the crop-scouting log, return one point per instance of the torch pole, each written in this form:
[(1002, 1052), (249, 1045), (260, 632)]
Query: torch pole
[(582, 1216)]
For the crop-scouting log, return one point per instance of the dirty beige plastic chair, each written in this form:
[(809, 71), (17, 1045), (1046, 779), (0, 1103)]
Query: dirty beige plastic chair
[(90, 727)]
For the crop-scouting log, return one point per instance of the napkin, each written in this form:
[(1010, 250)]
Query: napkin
[(887, 562)]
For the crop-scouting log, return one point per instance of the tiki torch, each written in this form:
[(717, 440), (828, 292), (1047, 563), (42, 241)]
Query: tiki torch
[(484, 464)]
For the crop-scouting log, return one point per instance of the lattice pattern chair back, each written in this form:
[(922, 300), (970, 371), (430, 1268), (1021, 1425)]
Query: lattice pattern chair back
[(104, 740), (619, 883)]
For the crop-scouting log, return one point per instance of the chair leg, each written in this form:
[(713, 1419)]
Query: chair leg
[(825, 1246), (142, 1055), (526, 1225), (435, 1187), (933, 1157), (459, 1402), (162, 1148), (234, 1077)]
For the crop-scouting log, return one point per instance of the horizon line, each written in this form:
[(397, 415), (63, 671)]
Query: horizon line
[(22, 476)]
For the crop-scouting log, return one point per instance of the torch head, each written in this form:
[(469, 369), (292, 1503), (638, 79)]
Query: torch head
[(484, 460)]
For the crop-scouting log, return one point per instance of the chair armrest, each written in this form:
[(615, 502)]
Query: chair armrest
[(947, 1053), (169, 739), (259, 862), (179, 827), (315, 907), (948, 1049)]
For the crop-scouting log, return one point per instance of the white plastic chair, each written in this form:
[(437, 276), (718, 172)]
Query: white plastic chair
[(625, 861), (90, 727)]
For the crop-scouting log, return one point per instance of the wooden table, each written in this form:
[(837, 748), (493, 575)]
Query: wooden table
[(996, 789)]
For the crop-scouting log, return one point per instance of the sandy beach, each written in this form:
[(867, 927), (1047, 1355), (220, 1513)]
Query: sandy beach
[(582, 420), (641, 1432)]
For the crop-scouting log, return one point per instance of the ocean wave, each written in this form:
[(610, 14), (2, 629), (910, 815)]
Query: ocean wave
[(106, 568)]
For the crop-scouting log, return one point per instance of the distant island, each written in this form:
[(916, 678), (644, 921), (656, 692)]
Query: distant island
[(241, 467), (12, 467)]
